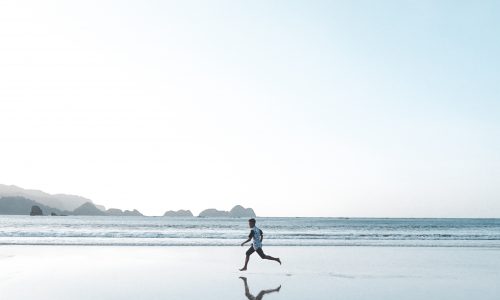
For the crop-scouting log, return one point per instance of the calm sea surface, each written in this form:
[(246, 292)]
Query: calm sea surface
[(160, 231)]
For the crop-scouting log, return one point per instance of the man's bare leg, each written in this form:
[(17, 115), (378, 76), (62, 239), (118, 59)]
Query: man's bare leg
[(264, 256), (272, 258), (247, 258)]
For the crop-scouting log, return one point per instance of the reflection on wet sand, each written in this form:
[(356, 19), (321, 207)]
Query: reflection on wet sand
[(261, 294)]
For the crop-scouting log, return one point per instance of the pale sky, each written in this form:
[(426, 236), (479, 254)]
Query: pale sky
[(294, 108)]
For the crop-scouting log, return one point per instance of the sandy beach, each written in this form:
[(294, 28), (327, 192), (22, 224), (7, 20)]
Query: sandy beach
[(353, 145), (104, 272)]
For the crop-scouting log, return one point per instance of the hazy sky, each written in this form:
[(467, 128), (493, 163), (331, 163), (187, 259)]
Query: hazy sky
[(302, 108)]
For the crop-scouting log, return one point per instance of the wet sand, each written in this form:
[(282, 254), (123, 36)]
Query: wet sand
[(110, 272)]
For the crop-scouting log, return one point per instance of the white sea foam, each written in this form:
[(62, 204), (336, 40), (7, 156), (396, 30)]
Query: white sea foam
[(158, 231)]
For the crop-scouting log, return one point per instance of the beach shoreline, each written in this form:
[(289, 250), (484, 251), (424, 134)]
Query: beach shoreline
[(176, 272)]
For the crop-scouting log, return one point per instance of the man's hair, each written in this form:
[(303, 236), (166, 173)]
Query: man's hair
[(252, 220)]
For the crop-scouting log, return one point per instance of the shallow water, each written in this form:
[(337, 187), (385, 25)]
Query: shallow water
[(160, 231)]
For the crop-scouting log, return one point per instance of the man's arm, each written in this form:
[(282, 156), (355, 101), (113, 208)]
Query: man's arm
[(248, 240), (261, 235)]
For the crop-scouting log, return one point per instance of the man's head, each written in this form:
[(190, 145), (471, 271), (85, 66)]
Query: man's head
[(251, 223)]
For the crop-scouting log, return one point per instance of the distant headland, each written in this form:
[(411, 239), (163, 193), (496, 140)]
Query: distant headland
[(18, 201), (236, 212)]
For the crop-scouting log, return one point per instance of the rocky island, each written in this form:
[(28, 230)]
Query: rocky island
[(236, 212), (177, 214)]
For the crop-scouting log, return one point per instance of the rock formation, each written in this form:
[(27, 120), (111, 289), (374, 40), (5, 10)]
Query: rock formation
[(240, 212), (134, 212), (36, 211), (179, 213), (236, 212), (87, 209)]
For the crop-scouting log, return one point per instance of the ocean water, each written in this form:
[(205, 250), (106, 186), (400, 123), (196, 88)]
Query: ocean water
[(160, 231)]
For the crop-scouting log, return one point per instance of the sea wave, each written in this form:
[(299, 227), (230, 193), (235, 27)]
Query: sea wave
[(150, 231)]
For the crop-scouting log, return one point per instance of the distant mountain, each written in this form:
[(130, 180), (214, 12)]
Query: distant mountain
[(214, 213), (22, 206), (18, 201), (59, 201), (87, 209), (240, 212), (134, 212), (60, 204), (179, 213), (236, 212), (119, 212), (100, 207), (114, 212)]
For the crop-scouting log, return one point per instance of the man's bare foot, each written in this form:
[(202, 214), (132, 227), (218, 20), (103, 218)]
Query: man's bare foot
[(279, 260), (243, 269)]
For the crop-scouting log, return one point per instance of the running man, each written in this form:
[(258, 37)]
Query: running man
[(257, 235)]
